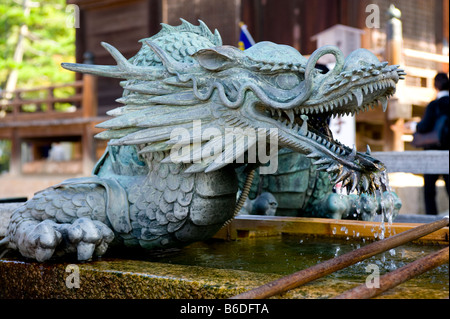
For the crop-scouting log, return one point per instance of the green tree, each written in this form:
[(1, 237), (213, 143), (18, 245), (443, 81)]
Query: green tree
[(5, 155), (35, 37), (47, 40)]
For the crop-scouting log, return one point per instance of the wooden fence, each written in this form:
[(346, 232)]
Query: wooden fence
[(16, 104), (34, 113), (416, 162)]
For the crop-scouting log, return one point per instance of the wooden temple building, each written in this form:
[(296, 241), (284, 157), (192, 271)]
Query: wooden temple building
[(423, 51)]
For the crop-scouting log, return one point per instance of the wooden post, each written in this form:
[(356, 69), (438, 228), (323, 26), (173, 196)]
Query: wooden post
[(17, 108), (50, 97), (89, 109), (89, 103), (394, 43), (15, 164), (445, 22)]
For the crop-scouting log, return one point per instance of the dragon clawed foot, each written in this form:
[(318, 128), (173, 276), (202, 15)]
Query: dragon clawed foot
[(84, 236)]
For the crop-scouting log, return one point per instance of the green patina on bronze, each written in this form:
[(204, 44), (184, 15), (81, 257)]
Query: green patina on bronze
[(140, 195), (299, 189)]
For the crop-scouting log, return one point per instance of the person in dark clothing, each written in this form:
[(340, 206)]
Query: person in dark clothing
[(438, 107)]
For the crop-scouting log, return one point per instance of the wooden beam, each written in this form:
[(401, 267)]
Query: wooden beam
[(242, 225), (426, 56), (62, 121), (416, 162)]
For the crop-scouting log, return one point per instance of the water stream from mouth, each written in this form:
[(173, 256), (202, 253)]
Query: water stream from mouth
[(386, 201)]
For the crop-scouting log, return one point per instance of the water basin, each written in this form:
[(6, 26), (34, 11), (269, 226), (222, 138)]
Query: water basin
[(284, 255), (260, 251)]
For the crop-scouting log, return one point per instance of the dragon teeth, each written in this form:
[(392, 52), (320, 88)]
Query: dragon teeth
[(368, 150), (354, 182), (353, 154), (384, 103), (346, 99), (334, 168), (359, 96), (279, 113), (304, 128), (290, 115), (322, 161), (365, 182), (272, 111), (366, 89), (314, 155), (343, 174)]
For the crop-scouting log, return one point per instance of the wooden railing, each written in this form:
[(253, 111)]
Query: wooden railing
[(16, 104), (416, 162), (39, 113)]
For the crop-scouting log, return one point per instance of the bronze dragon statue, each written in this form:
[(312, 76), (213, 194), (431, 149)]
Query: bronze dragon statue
[(168, 176)]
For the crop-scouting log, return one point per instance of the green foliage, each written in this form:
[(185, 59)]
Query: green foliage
[(48, 43), (5, 155)]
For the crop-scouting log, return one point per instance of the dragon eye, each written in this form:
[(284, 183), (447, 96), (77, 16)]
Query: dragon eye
[(287, 81)]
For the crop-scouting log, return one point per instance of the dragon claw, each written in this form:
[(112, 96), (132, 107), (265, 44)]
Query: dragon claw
[(84, 236), (88, 237), (41, 242)]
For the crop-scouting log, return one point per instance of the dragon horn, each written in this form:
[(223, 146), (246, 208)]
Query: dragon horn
[(123, 70), (102, 70), (115, 71)]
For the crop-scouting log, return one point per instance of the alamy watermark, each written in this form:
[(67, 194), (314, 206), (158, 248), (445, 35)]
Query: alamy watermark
[(373, 280), (235, 144), (73, 16), (73, 279), (373, 19)]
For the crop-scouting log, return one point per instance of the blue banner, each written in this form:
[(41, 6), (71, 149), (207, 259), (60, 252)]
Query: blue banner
[(245, 38)]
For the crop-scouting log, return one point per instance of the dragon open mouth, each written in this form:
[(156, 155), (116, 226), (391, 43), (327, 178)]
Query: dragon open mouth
[(305, 128)]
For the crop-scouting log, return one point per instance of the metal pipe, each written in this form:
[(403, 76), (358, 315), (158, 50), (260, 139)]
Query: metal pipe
[(398, 276), (304, 276)]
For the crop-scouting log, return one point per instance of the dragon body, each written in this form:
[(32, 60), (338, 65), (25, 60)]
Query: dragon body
[(168, 176), (298, 189)]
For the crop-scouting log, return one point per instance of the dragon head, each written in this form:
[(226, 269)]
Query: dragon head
[(184, 74)]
